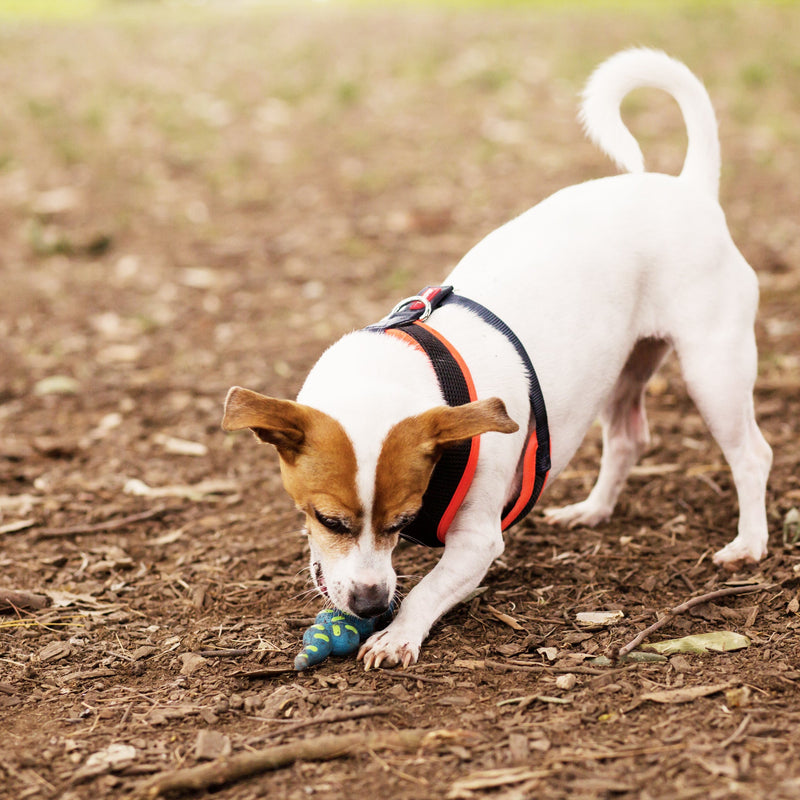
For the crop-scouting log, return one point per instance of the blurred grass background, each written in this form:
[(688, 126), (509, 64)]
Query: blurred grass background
[(368, 144)]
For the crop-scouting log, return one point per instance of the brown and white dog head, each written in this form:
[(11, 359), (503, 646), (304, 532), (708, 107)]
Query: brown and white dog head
[(351, 545)]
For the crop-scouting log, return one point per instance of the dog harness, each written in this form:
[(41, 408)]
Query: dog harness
[(453, 473)]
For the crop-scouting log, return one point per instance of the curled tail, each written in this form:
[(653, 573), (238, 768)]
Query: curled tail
[(631, 69)]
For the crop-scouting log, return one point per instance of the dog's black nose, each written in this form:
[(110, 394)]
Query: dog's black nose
[(369, 600)]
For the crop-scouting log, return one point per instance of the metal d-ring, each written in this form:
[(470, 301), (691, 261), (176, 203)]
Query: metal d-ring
[(417, 298)]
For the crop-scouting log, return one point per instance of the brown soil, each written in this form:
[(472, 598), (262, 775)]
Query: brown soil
[(234, 192)]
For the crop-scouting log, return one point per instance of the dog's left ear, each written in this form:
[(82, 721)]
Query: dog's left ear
[(447, 426), (421, 439), (413, 446)]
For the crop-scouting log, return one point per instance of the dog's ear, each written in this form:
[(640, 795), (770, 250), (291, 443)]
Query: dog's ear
[(447, 426), (316, 455), (413, 446), (282, 423)]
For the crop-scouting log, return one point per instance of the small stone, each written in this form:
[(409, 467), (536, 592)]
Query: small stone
[(680, 664), (738, 697), (191, 662), (566, 681), (210, 745), (399, 692), (253, 703)]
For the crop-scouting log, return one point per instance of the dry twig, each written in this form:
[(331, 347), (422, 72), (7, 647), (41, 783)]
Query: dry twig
[(674, 612), (325, 718), (242, 765), (99, 527), (413, 676), (14, 599), (518, 666)]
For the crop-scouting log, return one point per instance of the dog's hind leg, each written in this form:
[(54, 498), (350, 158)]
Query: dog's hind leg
[(720, 373), (625, 436)]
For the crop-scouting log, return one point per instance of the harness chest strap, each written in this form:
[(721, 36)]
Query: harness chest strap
[(455, 470)]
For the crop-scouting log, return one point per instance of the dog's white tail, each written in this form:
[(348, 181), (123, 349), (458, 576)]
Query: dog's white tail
[(631, 69)]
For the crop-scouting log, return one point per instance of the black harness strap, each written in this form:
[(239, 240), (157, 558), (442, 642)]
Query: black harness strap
[(451, 466), (538, 411)]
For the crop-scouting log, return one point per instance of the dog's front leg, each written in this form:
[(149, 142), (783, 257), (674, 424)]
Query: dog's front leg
[(467, 556)]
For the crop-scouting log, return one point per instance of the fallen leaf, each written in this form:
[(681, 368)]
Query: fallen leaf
[(62, 599), (601, 618), (550, 653), (719, 641), (197, 491), (180, 447), (791, 527), (492, 778), (112, 758), (686, 694), (56, 384), (643, 658)]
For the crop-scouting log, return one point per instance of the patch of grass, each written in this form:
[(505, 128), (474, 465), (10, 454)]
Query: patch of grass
[(50, 9), (348, 92), (755, 75)]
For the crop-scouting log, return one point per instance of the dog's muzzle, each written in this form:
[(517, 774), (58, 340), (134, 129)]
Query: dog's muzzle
[(369, 600)]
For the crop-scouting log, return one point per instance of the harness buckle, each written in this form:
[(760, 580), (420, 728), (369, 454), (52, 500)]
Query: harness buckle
[(413, 303)]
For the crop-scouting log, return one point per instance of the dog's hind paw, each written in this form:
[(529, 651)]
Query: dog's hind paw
[(584, 513), (388, 649)]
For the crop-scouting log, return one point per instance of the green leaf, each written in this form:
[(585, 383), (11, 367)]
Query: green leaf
[(719, 641)]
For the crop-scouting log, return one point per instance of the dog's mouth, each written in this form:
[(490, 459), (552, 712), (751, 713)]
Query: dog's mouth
[(319, 580)]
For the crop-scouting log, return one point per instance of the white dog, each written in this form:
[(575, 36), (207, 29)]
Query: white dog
[(598, 282)]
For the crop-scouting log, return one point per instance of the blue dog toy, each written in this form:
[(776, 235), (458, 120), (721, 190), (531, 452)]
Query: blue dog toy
[(336, 633)]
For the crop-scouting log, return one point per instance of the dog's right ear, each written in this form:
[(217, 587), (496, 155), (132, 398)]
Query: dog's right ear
[(282, 423)]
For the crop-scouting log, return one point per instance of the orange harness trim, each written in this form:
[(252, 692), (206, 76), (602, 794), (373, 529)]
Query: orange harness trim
[(472, 461), (453, 474)]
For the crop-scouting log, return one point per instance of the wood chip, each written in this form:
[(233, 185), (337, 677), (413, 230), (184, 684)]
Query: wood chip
[(55, 651), (210, 745), (504, 618), (19, 525), (492, 778), (191, 662), (12, 599), (685, 695)]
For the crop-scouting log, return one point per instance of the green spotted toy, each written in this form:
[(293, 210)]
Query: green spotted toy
[(336, 633)]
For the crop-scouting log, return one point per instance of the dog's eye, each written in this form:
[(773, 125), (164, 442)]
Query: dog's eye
[(399, 523), (333, 524)]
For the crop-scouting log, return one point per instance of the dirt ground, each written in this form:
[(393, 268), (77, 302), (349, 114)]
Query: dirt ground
[(191, 200)]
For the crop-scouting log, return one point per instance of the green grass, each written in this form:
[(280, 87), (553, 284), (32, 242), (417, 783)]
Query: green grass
[(51, 9), (60, 10)]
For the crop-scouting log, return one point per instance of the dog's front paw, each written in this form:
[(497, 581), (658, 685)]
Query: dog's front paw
[(740, 553), (584, 513), (389, 647)]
